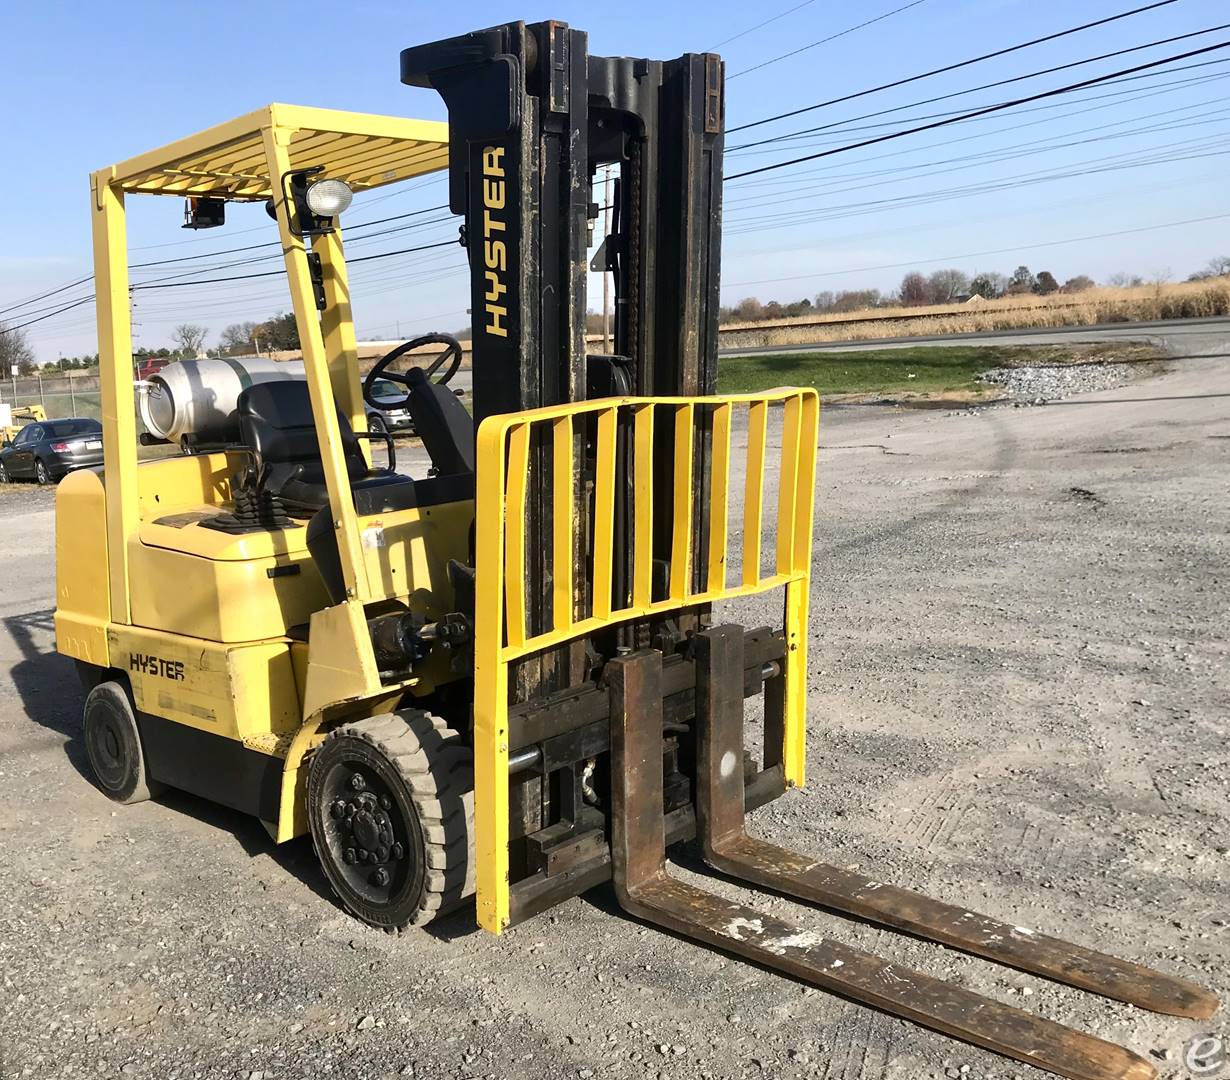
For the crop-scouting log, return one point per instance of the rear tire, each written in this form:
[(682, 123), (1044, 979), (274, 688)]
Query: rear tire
[(391, 807), (4, 474), (113, 745), (41, 474)]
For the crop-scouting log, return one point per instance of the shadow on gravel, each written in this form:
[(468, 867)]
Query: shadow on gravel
[(52, 696), (47, 682), (295, 857)]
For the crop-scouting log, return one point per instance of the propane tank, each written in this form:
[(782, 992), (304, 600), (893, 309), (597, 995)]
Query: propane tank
[(198, 397)]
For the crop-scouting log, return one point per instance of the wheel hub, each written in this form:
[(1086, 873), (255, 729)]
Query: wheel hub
[(364, 827)]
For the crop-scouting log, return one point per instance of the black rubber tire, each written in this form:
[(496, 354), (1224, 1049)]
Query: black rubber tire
[(113, 746), (41, 474), (376, 424), (4, 474), (427, 771)]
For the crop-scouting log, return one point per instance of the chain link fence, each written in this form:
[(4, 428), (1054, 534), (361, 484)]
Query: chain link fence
[(59, 395)]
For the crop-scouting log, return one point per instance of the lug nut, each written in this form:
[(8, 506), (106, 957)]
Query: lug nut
[(386, 802), (398, 851), (361, 854), (382, 854), (338, 808), (380, 877), (357, 782), (349, 857)]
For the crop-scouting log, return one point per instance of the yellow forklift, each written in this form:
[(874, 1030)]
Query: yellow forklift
[(506, 677), (19, 416)]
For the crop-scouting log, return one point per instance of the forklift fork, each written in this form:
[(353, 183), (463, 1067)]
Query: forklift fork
[(646, 890)]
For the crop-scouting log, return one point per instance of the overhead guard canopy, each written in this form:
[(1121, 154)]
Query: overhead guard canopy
[(229, 161)]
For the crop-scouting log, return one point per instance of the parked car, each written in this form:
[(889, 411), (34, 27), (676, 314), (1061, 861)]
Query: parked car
[(388, 419), (50, 449), (150, 366)]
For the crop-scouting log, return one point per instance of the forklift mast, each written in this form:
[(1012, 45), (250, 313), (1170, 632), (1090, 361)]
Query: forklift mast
[(532, 118)]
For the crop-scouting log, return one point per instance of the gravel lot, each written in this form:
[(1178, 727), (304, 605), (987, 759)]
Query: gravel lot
[(1019, 691)]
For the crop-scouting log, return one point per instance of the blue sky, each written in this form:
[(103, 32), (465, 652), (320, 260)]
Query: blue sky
[(82, 91)]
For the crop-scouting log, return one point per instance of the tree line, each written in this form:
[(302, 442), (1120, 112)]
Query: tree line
[(947, 286)]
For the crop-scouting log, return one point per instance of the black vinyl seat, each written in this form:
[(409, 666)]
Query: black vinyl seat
[(276, 424)]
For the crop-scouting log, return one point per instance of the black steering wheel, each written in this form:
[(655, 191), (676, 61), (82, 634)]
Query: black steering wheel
[(451, 355)]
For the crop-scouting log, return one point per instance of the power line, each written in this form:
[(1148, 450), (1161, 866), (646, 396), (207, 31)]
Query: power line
[(1111, 163), (826, 40), (977, 112), (279, 254), (272, 273), (277, 243), (216, 281), (1131, 94), (981, 254), (954, 67), (59, 311), (751, 29), (995, 156), (976, 89), (43, 296), (235, 250)]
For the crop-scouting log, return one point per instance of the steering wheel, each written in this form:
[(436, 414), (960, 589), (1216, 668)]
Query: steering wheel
[(451, 355)]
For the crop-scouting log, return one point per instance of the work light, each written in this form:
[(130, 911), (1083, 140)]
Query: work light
[(316, 202), (328, 198)]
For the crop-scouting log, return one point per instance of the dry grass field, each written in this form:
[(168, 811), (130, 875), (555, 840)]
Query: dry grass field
[(1145, 303)]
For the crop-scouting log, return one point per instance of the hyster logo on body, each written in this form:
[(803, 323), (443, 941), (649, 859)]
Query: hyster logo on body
[(495, 248), (156, 665)]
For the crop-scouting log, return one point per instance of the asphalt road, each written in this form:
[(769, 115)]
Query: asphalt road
[(1018, 698), (1182, 337)]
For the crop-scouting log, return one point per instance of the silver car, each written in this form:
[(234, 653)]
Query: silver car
[(390, 418), (48, 450)]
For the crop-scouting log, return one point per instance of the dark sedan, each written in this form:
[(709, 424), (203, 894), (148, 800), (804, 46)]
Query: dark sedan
[(51, 449)]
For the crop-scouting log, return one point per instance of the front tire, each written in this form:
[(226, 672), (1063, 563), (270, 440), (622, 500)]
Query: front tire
[(376, 425), (113, 745), (391, 807)]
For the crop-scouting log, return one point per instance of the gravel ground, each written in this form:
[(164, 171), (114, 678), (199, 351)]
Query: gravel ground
[(1037, 384), (1018, 701)]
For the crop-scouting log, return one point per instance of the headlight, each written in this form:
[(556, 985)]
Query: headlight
[(328, 198)]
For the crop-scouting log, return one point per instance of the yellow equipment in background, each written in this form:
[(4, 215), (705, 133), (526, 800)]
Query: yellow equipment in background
[(21, 415)]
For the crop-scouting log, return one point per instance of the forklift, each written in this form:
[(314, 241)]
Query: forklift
[(513, 677)]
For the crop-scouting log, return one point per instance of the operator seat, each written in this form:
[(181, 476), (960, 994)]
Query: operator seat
[(276, 424)]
